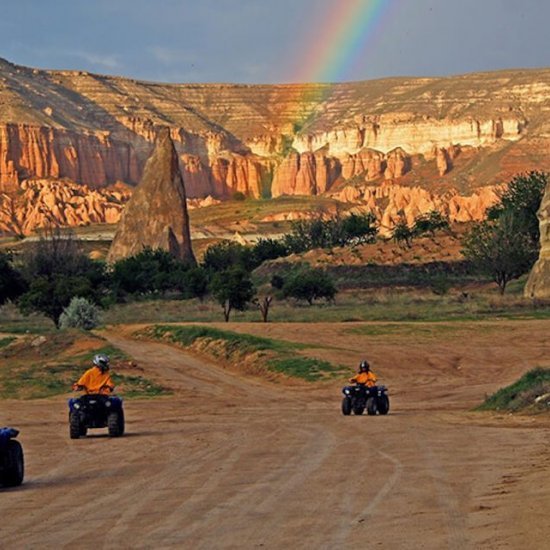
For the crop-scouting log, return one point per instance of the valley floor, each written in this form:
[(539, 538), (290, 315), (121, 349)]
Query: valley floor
[(235, 462)]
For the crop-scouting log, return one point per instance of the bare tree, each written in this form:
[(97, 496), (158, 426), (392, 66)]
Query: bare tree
[(264, 305)]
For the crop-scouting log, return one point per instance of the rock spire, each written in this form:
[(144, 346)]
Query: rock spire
[(538, 284), (156, 215)]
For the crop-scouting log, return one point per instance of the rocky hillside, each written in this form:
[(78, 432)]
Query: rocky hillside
[(422, 141)]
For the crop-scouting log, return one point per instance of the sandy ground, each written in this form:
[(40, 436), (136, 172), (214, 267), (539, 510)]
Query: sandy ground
[(232, 462)]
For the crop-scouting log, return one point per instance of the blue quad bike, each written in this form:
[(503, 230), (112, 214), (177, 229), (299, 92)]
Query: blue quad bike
[(359, 397), (96, 411), (12, 463)]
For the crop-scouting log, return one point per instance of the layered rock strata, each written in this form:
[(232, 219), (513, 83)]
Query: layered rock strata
[(538, 283), (156, 215), (275, 140)]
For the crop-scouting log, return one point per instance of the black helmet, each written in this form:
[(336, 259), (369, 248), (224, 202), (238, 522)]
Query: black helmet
[(364, 366), (101, 361)]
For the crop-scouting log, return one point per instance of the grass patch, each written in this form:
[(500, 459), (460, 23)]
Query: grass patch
[(282, 355), (307, 368), (4, 342), (27, 327), (522, 395), (112, 352), (40, 381), (186, 336), (29, 371), (383, 305)]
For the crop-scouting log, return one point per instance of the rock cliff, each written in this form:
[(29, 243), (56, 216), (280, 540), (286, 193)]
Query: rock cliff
[(156, 215), (538, 284), (443, 135)]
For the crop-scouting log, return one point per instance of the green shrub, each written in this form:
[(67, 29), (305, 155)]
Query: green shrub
[(440, 284), (309, 284), (429, 223), (80, 313), (228, 254), (151, 271), (56, 269), (402, 234)]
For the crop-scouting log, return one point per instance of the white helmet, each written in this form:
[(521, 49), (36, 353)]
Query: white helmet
[(101, 361)]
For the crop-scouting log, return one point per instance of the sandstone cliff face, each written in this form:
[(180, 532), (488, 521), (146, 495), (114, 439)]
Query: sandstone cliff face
[(275, 140), (93, 159), (538, 283), (416, 136), (156, 215)]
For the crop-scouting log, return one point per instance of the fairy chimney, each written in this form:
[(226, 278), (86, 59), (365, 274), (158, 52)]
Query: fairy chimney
[(156, 215)]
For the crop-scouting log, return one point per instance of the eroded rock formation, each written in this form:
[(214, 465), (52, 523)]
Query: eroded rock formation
[(538, 284), (43, 203), (390, 202), (41, 152), (274, 140), (156, 215)]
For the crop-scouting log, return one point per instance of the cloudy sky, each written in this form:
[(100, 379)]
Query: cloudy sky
[(271, 41)]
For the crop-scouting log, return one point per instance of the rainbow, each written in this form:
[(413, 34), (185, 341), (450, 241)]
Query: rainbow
[(342, 36)]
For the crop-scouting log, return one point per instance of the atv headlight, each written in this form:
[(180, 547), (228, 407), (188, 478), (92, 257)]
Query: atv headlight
[(76, 405), (107, 403)]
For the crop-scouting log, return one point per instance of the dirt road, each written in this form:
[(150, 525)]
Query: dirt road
[(230, 462)]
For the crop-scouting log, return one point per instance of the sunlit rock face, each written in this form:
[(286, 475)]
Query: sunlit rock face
[(391, 202), (538, 284), (42, 203), (156, 215), (449, 136)]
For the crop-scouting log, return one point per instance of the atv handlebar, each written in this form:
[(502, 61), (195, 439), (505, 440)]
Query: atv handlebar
[(79, 387)]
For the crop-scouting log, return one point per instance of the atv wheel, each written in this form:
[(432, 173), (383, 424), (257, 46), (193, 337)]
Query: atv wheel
[(383, 404), (371, 406), (346, 406), (115, 423), (14, 468), (358, 410), (75, 427)]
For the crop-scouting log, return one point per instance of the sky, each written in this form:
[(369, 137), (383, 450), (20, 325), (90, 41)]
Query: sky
[(275, 41)]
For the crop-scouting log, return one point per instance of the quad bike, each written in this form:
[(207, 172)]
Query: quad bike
[(12, 463), (360, 397), (95, 411)]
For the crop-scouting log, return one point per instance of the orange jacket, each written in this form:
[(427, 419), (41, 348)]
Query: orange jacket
[(368, 378), (93, 381)]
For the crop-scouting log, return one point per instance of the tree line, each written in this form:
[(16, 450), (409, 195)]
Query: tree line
[(54, 270)]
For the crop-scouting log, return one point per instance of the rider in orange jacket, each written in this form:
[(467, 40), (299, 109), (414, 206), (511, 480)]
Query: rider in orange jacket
[(96, 379), (365, 376)]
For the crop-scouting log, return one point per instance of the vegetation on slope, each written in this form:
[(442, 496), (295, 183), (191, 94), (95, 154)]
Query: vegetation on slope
[(33, 366), (263, 354), (530, 393)]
